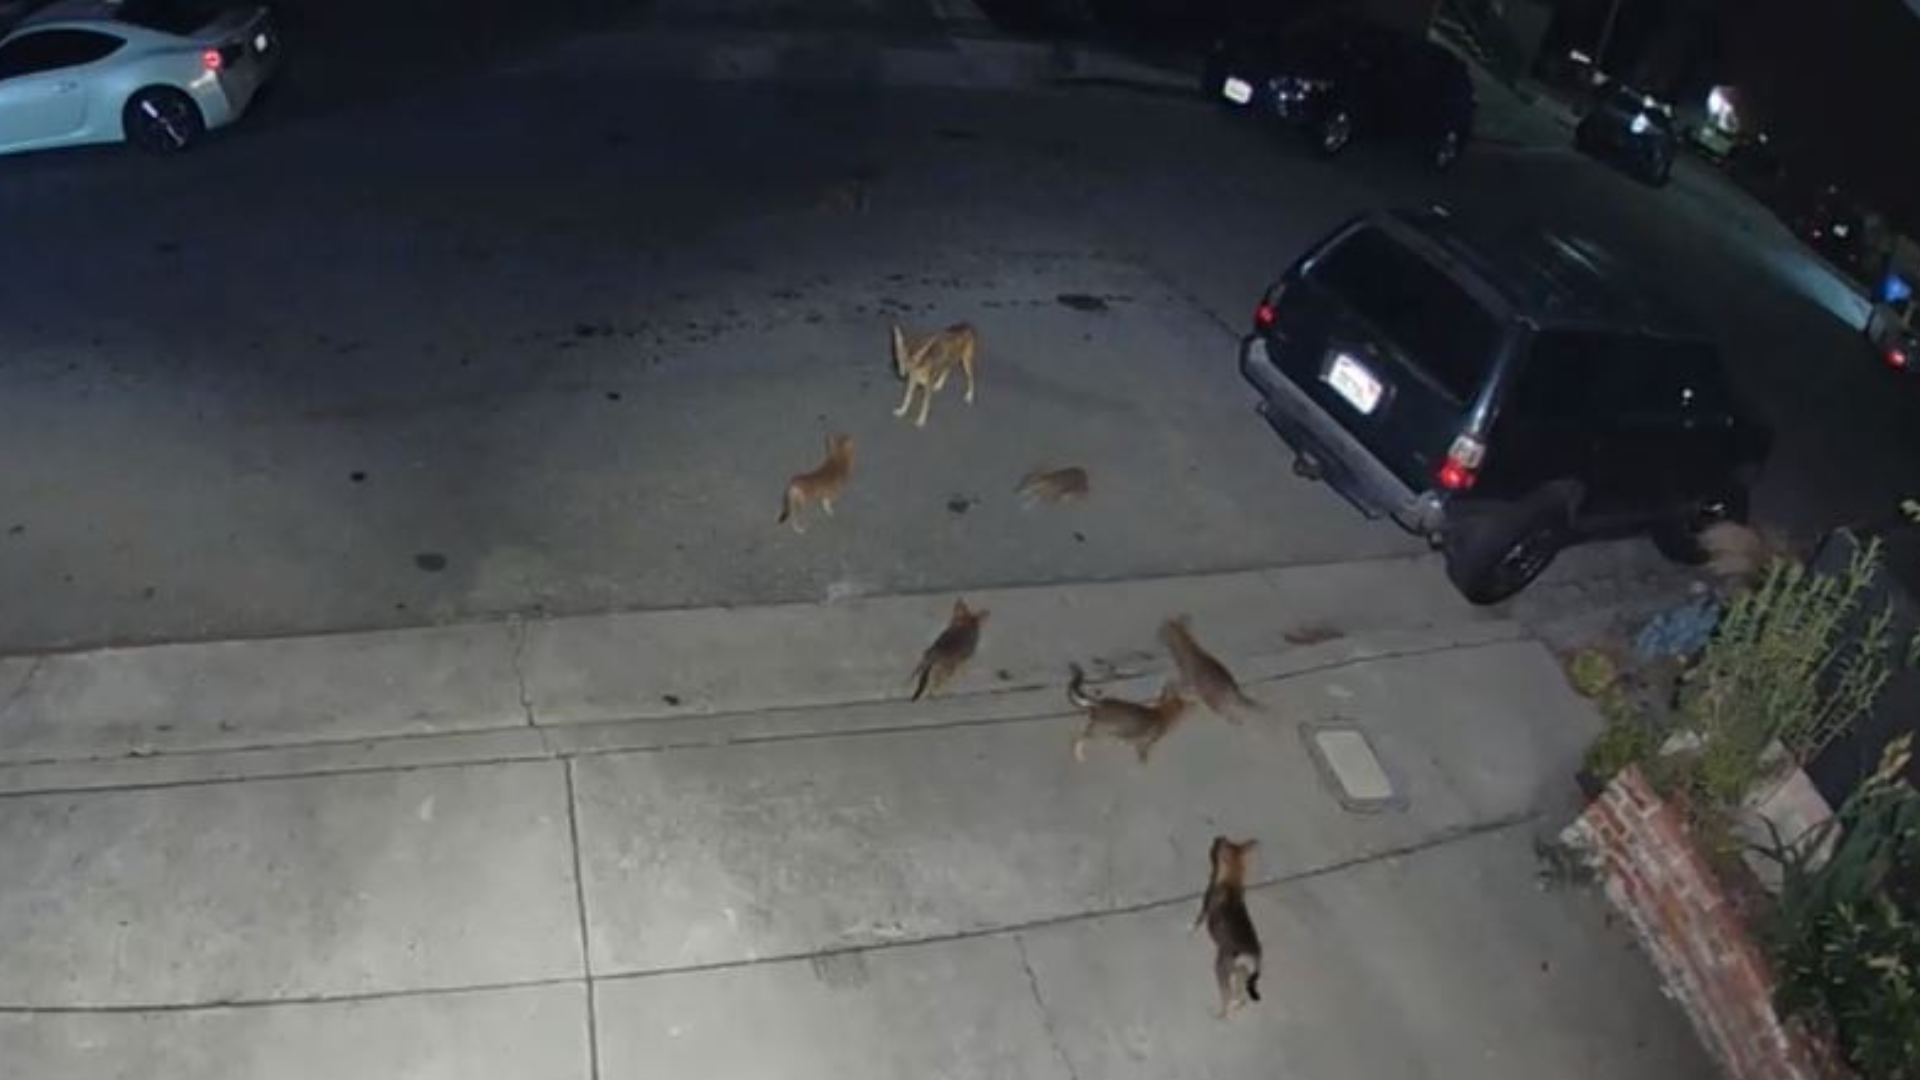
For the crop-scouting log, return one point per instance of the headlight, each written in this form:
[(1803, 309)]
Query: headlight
[(1641, 125)]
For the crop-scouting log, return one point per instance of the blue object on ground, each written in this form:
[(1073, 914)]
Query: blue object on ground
[(1680, 631)]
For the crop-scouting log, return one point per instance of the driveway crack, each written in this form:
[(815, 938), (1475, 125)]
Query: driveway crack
[(20, 690), (517, 636), (1046, 1015)]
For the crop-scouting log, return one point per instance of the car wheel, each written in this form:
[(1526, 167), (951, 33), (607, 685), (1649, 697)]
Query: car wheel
[(1494, 551), (162, 120), (1335, 131), (1660, 171), (1446, 152)]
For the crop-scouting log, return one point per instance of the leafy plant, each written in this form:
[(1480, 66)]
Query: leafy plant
[(1630, 737), (1592, 672), (1846, 951), (1795, 661)]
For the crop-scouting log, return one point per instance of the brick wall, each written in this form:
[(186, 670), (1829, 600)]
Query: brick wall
[(1652, 872)]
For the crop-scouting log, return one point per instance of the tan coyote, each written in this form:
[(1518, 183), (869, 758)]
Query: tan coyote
[(1138, 724), (821, 484), (927, 363)]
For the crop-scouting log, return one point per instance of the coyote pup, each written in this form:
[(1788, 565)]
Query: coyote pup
[(1053, 485), (1201, 672), (1140, 725), (950, 651), (1236, 961), (822, 484)]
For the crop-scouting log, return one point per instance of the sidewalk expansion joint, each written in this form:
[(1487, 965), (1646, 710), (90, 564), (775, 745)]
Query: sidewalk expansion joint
[(547, 734), (1441, 839), (580, 904)]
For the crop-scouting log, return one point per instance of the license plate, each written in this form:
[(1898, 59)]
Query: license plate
[(1238, 91), (1352, 381), (261, 43)]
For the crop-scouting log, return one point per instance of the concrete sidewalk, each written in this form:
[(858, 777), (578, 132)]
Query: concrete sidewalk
[(580, 879)]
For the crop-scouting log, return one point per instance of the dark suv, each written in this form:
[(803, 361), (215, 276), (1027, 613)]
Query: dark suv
[(1504, 396)]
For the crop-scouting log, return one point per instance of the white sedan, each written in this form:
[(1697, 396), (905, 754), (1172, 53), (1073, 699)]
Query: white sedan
[(155, 73)]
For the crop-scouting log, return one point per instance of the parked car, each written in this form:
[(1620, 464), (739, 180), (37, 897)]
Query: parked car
[(153, 73), (1631, 130), (1335, 79), (1502, 395), (1892, 335)]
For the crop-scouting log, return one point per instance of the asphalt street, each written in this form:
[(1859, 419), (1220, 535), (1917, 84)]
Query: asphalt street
[(545, 330)]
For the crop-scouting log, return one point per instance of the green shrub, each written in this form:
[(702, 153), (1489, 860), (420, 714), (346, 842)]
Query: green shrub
[(1794, 661), (1846, 953)]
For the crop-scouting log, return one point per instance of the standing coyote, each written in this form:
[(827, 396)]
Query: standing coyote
[(927, 363)]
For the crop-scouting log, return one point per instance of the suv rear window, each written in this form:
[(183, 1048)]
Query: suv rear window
[(1413, 307)]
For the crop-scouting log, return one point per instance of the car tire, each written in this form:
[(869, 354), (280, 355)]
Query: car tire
[(1334, 132), (1447, 150), (1660, 172), (1494, 550), (162, 120)]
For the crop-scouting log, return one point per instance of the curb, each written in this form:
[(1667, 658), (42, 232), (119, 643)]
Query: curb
[(663, 665)]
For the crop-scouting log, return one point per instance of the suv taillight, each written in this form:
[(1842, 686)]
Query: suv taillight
[(1462, 466), (1266, 313)]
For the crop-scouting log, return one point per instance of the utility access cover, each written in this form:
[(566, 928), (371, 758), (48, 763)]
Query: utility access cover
[(1349, 766)]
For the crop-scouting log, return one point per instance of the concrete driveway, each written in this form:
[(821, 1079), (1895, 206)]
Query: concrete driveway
[(587, 848)]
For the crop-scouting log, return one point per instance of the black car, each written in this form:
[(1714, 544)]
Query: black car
[(1335, 79), (1631, 130), (1502, 395)]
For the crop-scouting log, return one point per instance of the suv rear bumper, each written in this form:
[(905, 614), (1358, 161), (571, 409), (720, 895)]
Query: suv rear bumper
[(1329, 451)]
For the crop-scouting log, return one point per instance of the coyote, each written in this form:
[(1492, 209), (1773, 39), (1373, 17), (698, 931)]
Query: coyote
[(1202, 672), (952, 649), (1140, 725), (822, 484), (1738, 554), (1224, 913), (1053, 485), (927, 363)]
